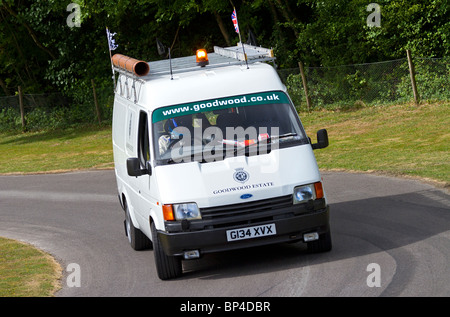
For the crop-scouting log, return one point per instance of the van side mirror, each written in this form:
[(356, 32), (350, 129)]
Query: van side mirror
[(134, 167), (322, 140)]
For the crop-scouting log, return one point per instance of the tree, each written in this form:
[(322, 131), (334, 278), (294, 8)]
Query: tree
[(338, 33)]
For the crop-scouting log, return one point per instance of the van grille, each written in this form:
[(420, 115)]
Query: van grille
[(260, 206)]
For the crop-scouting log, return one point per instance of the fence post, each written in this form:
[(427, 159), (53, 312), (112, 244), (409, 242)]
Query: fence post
[(413, 77), (22, 111), (305, 86), (97, 109)]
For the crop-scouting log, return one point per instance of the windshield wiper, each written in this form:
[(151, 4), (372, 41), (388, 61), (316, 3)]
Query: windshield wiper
[(287, 135)]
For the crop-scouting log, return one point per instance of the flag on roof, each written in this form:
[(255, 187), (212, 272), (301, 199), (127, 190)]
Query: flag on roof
[(235, 21), (111, 41)]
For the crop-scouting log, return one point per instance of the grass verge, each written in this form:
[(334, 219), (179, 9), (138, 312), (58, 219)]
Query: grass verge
[(55, 151), (26, 271), (402, 140)]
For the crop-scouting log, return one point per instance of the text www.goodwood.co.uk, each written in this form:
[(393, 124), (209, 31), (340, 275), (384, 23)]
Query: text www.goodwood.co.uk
[(221, 103)]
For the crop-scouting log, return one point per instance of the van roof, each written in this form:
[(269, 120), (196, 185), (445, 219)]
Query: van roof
[(225, 76)]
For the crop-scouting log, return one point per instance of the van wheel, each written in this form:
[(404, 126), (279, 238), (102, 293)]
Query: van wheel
[(167, 267), (324, 243), (136, 238)]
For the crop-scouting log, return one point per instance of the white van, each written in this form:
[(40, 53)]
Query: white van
[(210, 155)]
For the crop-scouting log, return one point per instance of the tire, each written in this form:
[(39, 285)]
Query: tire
[(136, 238), (167, 267), (324, 243)]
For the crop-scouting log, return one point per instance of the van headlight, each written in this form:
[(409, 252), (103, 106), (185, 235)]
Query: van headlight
[(305, 193), (186, 211)]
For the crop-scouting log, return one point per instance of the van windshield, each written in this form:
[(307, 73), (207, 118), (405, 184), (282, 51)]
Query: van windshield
[(213, 130)]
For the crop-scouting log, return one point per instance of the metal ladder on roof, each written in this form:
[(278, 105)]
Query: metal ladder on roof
[(252, 53)]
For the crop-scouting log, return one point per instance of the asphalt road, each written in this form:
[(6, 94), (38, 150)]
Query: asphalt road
[(387, 230)]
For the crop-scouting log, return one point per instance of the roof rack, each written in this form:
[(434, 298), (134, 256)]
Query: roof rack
[(220, 58)]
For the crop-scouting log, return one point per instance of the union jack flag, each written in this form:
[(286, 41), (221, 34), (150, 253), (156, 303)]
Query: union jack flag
[(235, 21)]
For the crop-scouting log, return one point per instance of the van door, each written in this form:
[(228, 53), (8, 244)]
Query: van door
[(143, 182)]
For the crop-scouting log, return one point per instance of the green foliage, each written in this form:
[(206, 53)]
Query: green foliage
[(338, 33), (39, 52), (355, 86), (295, 89), (9, 120)]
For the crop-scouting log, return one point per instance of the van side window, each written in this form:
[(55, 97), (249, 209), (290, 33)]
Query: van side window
[(143, 139)]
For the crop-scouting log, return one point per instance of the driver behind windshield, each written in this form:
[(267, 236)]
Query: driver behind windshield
[(173, 134)]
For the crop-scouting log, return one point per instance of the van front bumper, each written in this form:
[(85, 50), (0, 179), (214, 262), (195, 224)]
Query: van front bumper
[(290, 223)]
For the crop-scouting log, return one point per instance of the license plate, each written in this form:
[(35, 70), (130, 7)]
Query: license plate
[(251, 232)]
